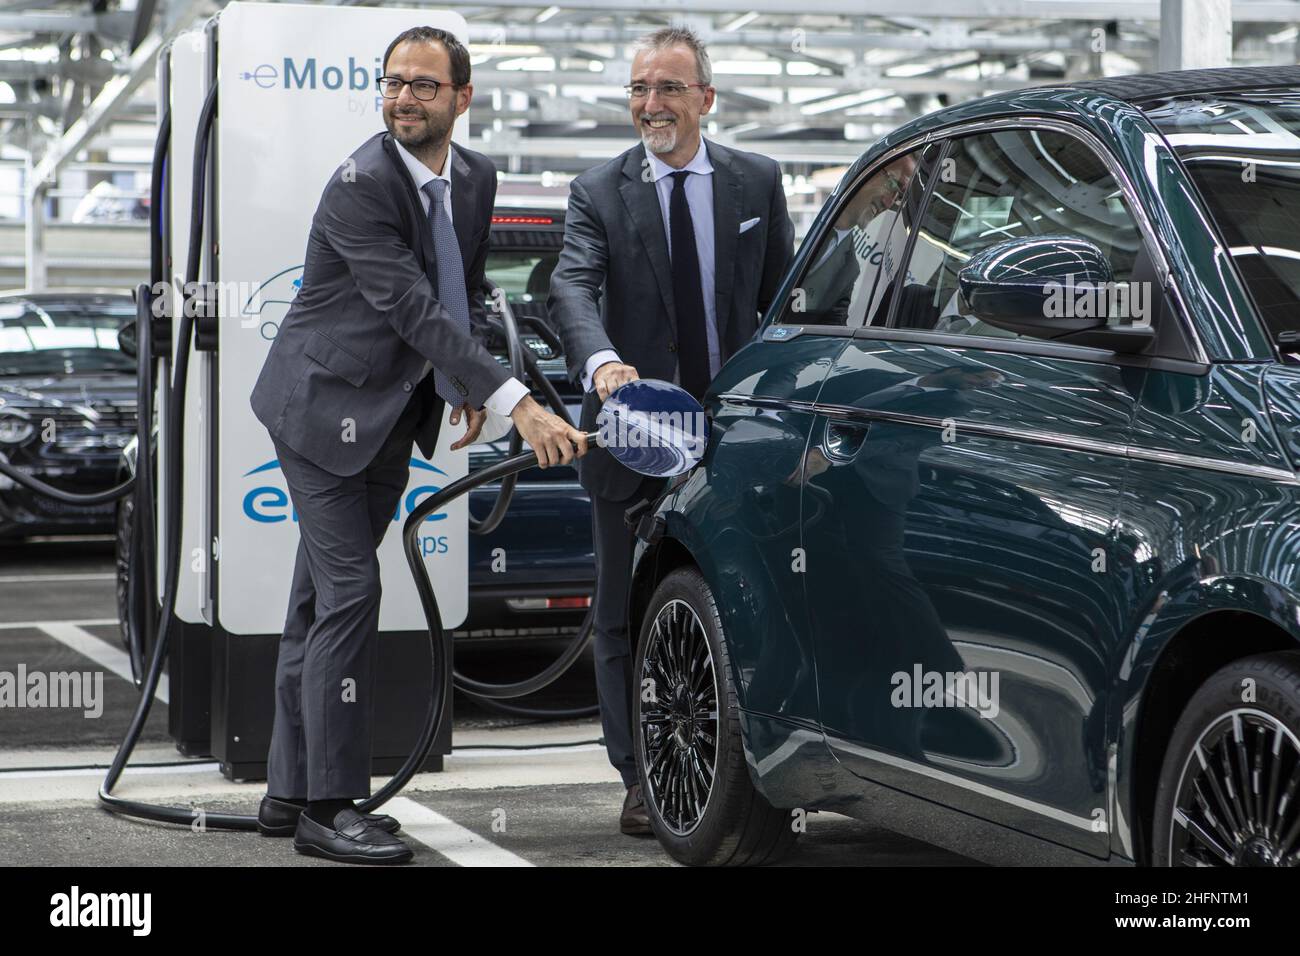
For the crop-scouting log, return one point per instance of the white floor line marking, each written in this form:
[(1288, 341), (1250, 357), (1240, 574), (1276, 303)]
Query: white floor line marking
[(463, 847), (206, 766), (101, 652), (33, 578), (89, 622)]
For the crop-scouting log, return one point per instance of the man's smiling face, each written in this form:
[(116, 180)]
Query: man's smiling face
[(423, 124), (667, 123)]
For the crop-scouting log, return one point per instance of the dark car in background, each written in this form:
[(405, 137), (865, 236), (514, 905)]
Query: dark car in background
[(67, 405), (546, 585), (996, 541)]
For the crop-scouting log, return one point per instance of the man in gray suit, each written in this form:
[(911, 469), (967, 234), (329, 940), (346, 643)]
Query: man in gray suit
[(377, 339), (671, 252)]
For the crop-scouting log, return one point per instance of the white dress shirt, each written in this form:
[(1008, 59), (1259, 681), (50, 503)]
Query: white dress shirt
[(699, 197), (504, 399)]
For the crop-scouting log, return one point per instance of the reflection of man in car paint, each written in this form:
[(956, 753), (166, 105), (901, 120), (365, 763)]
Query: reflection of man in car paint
[(881, 479), (861, 239)]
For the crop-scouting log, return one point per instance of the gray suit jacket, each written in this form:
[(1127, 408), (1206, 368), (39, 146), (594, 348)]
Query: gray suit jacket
[(350, 351), (613, 284)]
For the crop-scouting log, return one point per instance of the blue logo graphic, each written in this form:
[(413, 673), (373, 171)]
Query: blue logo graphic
[(310, 75), (269, 503), (271, 300), (264, 76)]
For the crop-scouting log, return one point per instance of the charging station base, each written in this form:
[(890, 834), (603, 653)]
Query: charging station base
[(222, 699)]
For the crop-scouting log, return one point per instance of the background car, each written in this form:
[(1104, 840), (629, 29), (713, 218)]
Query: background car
[(67, 405), (995, 540), (546, 586)]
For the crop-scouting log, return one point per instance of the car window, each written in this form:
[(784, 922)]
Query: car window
[(846, 281), (524, 275), (992, 187), (1242, 151)]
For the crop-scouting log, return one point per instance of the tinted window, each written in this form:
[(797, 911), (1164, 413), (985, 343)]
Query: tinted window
[(847, 280), (524, 276), (992, 187), (1243, 152)]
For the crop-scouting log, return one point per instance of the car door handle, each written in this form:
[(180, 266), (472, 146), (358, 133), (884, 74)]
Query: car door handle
[(842, 439)]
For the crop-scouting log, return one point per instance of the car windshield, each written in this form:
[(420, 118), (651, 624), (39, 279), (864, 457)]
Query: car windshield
[(1243, 152), (525, 276), (50, 335)]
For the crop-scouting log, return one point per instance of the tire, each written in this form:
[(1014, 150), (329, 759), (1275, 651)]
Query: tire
[(733, 824), (1229, 790)]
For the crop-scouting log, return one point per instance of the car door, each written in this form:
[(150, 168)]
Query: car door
[(750, 544), (969, 480)]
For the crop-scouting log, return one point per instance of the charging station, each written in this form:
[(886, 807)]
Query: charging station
[(296, 95)]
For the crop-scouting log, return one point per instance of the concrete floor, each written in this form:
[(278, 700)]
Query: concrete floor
[(554, 801)]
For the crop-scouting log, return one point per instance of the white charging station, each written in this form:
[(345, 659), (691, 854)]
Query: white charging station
[(296, 95)]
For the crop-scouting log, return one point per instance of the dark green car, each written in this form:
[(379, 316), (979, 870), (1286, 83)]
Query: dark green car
[(997, 537)]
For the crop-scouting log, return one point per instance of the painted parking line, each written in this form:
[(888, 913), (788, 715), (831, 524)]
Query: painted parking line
[(88, 622), (448, 838), (101, 652), (36, 578), (39, 773)]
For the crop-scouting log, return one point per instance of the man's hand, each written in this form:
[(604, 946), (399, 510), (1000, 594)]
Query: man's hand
[(474, 420), (548, 434), (610, 376)]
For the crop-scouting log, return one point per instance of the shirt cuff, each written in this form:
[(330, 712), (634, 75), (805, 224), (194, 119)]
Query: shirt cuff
[(505, 398), (596, 361)]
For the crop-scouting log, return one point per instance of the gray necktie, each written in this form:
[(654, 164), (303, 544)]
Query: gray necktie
[(451, 277)]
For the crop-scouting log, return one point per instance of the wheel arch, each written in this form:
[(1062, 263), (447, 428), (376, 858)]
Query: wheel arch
[(1195, 650)]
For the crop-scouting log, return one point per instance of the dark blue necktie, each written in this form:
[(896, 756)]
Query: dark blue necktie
[(451, 276), (688, 295)]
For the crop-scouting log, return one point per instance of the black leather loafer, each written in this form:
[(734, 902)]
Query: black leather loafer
[(278, 818), (634, 820), (352, 840)]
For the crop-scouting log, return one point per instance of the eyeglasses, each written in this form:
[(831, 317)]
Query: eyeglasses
[(390, 87), (639, 91)]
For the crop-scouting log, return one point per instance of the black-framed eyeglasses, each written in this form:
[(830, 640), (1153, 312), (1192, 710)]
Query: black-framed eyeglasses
[(639, 91), (422, 88)]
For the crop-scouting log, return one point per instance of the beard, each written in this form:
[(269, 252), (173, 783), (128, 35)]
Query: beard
[(659, 140), (431, 134)]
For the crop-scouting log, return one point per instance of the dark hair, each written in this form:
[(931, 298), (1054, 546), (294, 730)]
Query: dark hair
[(455, 50)]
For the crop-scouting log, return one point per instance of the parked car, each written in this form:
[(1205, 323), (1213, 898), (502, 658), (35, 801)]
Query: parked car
[(67, 405), (996, 540), (545, 587)]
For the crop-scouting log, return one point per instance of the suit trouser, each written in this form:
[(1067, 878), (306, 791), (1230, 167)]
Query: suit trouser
[(324, 672), (612, 645)]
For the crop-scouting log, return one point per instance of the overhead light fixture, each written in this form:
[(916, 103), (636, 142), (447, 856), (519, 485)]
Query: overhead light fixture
[(744, 20)]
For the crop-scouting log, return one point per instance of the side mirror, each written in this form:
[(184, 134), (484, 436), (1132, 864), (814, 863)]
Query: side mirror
[(126, 341), (1055, 287)]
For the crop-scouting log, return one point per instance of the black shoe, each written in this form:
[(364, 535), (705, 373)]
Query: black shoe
[(352, 840), (634, 820), (279, 818)]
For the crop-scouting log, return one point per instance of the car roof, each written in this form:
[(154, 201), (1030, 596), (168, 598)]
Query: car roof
[(64, 294), (1138, 87)]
